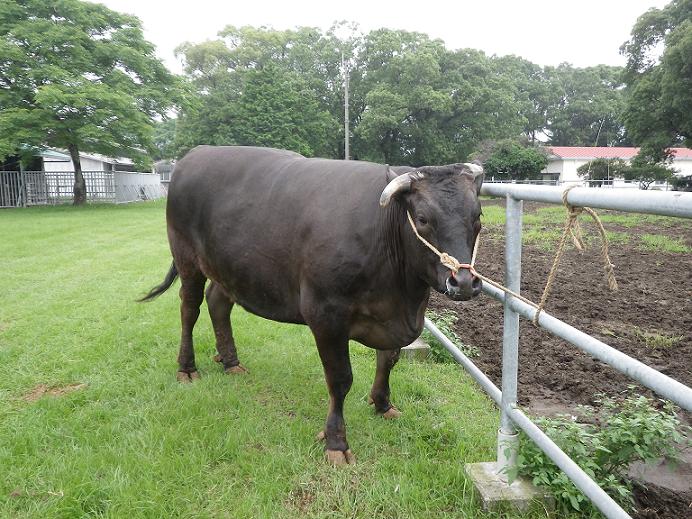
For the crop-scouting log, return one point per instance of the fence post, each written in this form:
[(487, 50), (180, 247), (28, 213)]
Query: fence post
[(507, 436)]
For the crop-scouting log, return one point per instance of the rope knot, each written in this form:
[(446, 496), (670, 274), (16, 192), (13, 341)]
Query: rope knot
[(450, 262)]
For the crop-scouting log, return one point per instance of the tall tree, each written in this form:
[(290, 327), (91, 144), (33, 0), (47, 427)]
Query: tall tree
[(264, 87), (426, 104), (659, 90), (586, 106), (78, 76)]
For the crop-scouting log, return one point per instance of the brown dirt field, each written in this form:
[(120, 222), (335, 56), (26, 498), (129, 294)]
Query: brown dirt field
[(654, 298)]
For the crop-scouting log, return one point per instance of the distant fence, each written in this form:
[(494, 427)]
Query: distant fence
[(608, 183), (27, 188)]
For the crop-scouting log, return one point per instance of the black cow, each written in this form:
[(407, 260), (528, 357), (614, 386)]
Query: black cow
[(320, 242)]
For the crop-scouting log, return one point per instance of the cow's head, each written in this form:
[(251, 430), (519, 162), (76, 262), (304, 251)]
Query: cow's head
[(443, 202)]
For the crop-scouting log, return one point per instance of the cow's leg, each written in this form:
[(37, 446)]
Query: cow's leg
[(379, 394), (220, 306), (333, 351), (191, 296)]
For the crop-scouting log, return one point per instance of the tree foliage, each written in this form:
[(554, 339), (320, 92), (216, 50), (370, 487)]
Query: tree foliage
[(79, 76), (603, 169), (641, 170), (263, 87), (510, 159), (659, 90)]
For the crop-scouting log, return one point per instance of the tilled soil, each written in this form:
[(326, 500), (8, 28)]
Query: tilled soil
[(654, 299)]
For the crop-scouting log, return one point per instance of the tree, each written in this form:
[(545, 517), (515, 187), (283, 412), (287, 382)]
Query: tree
[(510, 159), (263, 87), (424, 104), (645, 170), (585, 106), (603, 170), (79, 76), (163, 146), (659, 91)]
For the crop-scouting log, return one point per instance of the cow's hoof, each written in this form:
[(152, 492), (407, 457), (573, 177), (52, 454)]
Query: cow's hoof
[(391, 413), (185, 378), (320, 436), (236, 370), (339, 458)]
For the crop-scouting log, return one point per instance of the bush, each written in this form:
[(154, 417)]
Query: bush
[(445, 321), (631, 429)]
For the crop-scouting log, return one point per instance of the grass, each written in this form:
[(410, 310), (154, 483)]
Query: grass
[(544, 227), (660, 242), (93, 424)]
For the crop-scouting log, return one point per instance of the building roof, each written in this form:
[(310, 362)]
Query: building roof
[(60, 155), (602, 152)]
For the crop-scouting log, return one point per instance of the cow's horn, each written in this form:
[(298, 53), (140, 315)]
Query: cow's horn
[(399, 184), (475, 168)]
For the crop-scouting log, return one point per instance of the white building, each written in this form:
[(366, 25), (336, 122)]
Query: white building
[(564, 160), (59, 160)]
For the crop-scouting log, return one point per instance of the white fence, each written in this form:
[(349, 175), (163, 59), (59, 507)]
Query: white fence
[(26, 188)]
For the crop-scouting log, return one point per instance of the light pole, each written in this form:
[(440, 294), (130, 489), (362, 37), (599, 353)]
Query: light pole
[(345, 71)]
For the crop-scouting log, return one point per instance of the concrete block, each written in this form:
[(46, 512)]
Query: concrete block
[(417, 350), (496, 494)]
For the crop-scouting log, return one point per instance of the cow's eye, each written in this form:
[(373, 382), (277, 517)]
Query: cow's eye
[(422, 220)]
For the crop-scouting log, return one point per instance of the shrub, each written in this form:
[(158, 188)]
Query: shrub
[(445, 321), (631, 429)]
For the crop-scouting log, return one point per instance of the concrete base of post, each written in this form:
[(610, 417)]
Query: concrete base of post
[(417, 350), (497, 495)]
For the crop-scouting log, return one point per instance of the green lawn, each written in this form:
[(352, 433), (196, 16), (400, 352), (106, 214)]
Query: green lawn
[(129, 441)]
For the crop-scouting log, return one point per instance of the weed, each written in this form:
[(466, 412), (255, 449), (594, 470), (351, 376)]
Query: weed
[(657, 340), (632, 429), (445, 321)]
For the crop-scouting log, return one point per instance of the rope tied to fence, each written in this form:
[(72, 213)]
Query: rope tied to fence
[(572, 228)]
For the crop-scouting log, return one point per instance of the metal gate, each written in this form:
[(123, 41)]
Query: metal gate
[(12, 192), (669, 203)]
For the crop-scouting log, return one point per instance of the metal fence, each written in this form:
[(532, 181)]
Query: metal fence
[(27, 188), (660, 203)]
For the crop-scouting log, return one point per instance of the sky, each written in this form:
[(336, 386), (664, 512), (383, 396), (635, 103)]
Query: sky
[(583, 32)]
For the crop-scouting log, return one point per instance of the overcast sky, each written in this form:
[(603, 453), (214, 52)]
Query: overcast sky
[(580, 32)]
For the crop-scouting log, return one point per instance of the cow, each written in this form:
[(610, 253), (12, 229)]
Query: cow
[(326, 243)]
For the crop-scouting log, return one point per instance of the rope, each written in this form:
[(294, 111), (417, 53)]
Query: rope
[(455, 265), (572, 228)]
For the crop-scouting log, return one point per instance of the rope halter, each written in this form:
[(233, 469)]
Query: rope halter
[(447, 260)]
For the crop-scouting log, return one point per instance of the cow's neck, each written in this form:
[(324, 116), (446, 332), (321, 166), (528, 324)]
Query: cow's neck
[(404, 277)]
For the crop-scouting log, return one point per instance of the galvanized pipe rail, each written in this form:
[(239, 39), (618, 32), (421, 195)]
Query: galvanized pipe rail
[(659, 203)]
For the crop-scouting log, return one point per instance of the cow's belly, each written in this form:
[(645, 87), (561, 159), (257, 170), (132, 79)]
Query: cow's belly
[(256, 287)]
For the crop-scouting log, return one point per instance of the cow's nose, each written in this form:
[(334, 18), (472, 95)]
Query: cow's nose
[(463, 285)]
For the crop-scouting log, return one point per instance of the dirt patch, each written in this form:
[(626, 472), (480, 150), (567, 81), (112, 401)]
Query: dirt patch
[(42, 390), (648, 318)]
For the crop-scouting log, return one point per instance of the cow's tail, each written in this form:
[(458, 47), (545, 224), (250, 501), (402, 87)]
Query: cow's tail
[(165, 285)]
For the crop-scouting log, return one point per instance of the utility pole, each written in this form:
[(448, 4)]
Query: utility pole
[(345, 71)]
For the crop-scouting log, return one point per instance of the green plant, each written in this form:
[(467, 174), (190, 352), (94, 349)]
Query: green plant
[(660, 242), (445, 321), (657, 340), (631, 429)]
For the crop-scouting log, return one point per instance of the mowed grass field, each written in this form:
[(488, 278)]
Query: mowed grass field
[(94, 424)]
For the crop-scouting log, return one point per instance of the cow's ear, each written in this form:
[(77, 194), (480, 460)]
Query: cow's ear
[(391, 174)]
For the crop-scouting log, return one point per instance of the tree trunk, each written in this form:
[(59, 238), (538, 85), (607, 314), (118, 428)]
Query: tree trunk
[(80, 194)]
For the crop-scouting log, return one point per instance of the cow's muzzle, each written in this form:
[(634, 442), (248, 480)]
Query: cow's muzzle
[(463, 285)]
